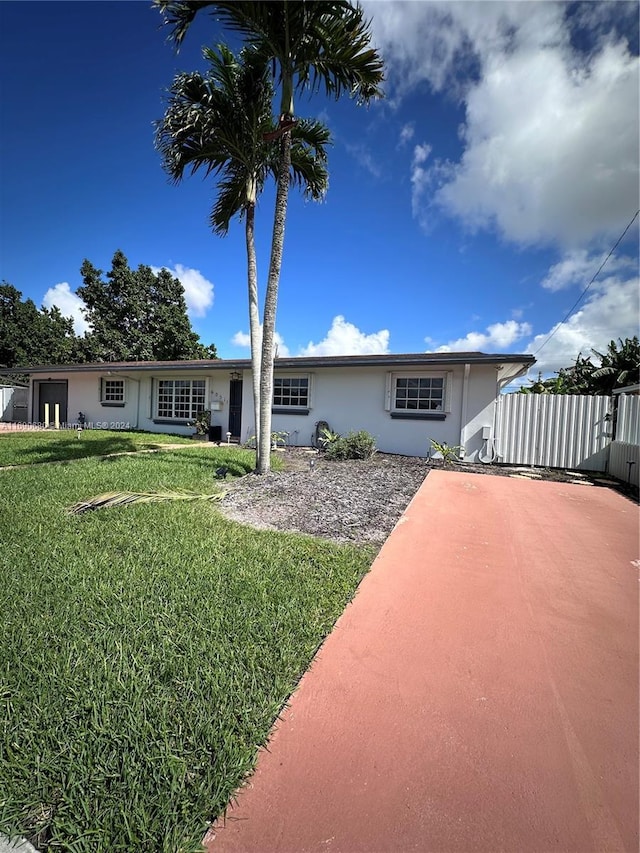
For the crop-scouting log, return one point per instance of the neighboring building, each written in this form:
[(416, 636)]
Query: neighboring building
[(403, 400), (13, 403)]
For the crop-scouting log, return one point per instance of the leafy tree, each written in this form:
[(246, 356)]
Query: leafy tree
[(309, 45), (30, 336), (218, 123), (136, 315), (619, 366), (577, 379)]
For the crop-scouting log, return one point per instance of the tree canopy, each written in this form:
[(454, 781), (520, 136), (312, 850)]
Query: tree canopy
[(136, 315), (618, 366), (31, 335)]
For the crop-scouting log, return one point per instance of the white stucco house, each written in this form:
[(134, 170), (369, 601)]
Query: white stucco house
[(402, 400)]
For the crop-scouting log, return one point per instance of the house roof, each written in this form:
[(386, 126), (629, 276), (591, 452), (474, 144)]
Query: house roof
[(628, 389), (421, 359)]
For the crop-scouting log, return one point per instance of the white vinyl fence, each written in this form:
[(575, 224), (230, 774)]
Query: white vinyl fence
[(624, 454), (554, 431), (13, 403), (628, 422)]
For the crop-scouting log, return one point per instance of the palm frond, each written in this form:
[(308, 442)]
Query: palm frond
[(113, 499), (179, 16), (324, 43), (231, 200)]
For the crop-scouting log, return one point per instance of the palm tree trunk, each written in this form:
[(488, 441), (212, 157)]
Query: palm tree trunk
[(271, 304), (254, 317)]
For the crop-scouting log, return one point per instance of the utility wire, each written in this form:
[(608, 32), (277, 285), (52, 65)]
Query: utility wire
[(582, 295)]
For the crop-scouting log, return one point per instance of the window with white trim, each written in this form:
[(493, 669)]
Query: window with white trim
[(112, 392), (291, 392), (418, 395), (180, 399)]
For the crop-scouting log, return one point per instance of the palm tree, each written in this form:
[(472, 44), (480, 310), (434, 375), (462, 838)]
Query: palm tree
[(218, 123), (311, 44)]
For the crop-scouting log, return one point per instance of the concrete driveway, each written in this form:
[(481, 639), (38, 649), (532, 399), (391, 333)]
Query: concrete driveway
[(479, 694)]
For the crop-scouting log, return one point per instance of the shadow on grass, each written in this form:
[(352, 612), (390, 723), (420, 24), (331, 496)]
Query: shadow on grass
[(68, 448)]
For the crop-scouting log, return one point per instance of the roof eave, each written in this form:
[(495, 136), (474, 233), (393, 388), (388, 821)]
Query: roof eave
[(386, 360)]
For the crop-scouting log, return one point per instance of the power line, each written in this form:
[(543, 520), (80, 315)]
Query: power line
[(582, 295)]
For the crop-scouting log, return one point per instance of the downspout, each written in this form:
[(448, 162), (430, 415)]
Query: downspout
[(463, 416)]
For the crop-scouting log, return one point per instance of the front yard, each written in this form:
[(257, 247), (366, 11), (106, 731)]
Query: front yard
[(144, 650), (26, 448)]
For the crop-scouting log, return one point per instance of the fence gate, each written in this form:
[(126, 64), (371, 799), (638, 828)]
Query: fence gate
[(553, 431)]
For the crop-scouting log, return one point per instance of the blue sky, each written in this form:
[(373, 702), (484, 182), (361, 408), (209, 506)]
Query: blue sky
[(466, 211)]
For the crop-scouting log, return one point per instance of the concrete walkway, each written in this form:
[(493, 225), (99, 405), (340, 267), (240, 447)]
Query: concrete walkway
[(480, 693)]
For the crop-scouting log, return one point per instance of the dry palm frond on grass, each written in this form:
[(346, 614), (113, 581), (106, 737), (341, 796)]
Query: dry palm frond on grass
[(111, 499)]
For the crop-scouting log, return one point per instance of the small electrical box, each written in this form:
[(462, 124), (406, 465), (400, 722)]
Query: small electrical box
[(486, 433)]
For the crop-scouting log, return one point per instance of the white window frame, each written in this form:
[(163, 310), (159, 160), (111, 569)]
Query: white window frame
[(392, 393), (187, 408), (107, 397), (293, 408)]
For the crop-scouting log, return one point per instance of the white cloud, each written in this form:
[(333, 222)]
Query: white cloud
[(69, 304), (578, 268), (365, 159), (550, 134), (198, 291), (243, 339), (344, 338), (439, 42), (551, 154), (420, 179), (406, 134), (497, 337), (611, 311)]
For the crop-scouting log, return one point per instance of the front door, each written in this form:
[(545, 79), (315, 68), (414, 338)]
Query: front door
[(235, 407), (52, 393)]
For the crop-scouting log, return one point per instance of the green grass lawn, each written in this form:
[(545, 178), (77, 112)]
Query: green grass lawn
[(25, 448), (145, 650)]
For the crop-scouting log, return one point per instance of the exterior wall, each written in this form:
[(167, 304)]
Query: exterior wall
[(138, 411), (354, 399), (482, 394), (347, 398)]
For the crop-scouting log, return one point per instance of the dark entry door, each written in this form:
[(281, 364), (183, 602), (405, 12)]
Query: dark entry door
[(235, 407), (52, 393)]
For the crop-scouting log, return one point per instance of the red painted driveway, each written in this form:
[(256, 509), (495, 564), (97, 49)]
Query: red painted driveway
[(479, 694)]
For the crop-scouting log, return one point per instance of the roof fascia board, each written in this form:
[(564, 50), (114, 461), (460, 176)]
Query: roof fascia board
[(412, 360)]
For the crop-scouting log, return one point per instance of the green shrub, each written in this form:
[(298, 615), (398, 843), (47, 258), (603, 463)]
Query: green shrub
[(446, 451), (202, 422), (354, 445), (327, 438)]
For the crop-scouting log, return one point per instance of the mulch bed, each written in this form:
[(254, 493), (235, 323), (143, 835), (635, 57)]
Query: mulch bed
[(358, 501)]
